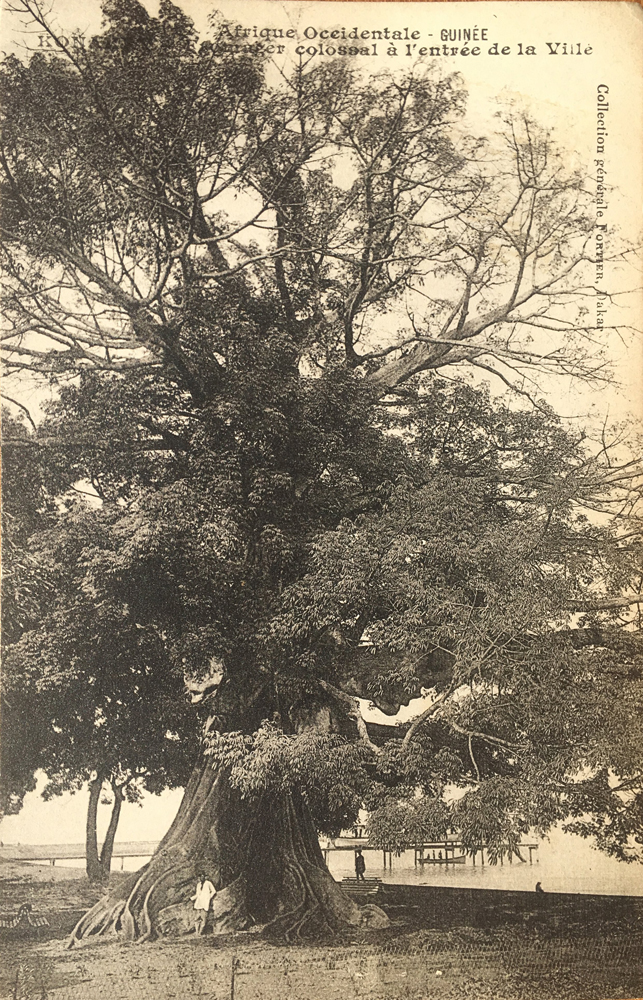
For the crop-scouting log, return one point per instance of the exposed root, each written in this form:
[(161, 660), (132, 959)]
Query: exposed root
[(296, 930), (281, 916), (96, 921), (128, 922), (149, 932), (262, 856)]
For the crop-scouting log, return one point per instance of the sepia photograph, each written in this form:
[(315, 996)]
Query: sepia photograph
[(322, 500)]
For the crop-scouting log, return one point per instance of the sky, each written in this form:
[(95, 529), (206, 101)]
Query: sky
[(595, 44)]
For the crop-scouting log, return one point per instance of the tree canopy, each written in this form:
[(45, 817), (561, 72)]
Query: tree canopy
[(87, 694), (260, 301)]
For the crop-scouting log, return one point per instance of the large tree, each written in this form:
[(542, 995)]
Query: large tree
[(259, 301)]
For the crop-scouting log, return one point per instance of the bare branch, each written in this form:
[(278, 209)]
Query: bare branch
[(21, 406)]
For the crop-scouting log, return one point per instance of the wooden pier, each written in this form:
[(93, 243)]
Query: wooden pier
[(445, 852), (74, 852)]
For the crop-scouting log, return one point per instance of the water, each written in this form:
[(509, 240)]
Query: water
[(565, 863), (561, 864), (130, 864)]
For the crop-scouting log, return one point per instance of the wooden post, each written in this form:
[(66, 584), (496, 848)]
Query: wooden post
[(474, 858), (52, 862), (232, 975), (122, 861), (482, 855), (530, 857)]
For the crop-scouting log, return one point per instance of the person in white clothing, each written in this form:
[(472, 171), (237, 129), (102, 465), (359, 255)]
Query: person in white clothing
[(205, 893)]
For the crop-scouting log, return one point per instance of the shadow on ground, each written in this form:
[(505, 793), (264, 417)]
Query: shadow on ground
[(440, 945)]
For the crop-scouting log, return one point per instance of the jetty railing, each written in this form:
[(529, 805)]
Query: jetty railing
[(445, 852), (74, 852)]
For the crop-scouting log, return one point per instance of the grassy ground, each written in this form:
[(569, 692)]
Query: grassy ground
[(544, 962)]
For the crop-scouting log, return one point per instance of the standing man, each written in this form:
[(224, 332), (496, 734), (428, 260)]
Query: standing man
[(205, 892), (360, 865)]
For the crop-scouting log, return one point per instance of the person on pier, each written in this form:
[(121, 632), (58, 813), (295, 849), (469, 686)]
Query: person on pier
[(360, 865)]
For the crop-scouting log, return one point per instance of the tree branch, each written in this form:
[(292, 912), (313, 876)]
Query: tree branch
[(607, 603), (426, 714), (473, 760), (354, 712), (485, 736), (91, 442), (21, 406)]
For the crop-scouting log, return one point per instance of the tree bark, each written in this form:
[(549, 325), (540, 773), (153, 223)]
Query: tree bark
[(108, 844), (263, 856), (92, 861)]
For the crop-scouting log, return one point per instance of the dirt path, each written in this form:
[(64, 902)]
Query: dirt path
[(410, 962), (174, 970)]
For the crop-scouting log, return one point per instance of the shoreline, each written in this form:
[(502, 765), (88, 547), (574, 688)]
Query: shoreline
[(43, 872)]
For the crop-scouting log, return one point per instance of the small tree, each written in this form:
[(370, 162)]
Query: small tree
[(26, 508), (92, 688)]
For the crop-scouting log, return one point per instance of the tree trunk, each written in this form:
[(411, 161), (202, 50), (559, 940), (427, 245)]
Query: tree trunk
[(92, 861), (262, 855), (108, 843)]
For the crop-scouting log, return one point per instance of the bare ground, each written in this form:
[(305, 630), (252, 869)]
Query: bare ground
[(406, 961)]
